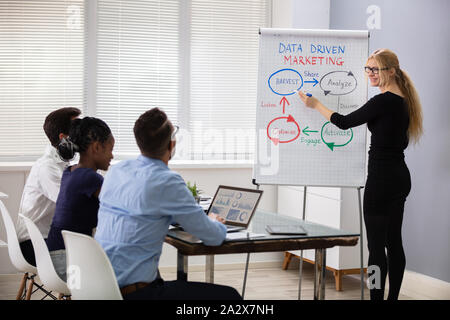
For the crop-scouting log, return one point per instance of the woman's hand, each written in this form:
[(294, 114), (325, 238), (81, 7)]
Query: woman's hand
[(309, 101), (313, 103)]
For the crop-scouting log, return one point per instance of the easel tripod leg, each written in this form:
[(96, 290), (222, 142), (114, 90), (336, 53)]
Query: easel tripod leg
[(300, 272), (361, 237)]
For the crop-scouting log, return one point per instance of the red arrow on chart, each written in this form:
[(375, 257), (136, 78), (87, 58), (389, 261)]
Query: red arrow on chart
[(284, 101)]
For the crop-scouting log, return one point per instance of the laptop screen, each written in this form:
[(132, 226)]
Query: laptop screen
[(235, 205)]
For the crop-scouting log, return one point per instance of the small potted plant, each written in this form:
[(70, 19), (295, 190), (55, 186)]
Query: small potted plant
[(194, 190)]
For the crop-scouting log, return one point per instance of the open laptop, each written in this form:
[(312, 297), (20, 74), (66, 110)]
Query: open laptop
[(236, 205)]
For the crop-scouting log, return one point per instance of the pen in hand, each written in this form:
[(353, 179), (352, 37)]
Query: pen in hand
[(307, 99)]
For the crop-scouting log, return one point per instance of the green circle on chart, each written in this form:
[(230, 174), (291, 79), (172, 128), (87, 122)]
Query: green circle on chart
[(332, 145)]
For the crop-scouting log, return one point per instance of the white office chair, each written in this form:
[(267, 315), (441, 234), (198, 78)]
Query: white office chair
[(44, 263), (90, 275), (18, 260)]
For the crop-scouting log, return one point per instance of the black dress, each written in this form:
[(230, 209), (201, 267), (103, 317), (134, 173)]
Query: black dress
[(387, 186)]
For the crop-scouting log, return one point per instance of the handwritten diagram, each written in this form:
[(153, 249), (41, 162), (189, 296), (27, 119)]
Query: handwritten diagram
[(296, 145), (286, 129)]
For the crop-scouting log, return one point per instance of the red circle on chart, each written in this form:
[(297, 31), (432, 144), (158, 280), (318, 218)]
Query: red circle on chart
[(288, 119)]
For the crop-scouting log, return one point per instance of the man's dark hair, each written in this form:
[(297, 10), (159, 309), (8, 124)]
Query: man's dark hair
[(153, 132), (58, 122)]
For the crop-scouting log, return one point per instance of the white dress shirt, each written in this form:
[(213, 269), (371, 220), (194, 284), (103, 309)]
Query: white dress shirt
[(40, 193)]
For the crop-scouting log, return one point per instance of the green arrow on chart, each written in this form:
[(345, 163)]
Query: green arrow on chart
[(305, 131), (330, 145)]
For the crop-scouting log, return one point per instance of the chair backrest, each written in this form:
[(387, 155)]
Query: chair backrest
[(14, 251), (90, 275), (44, 264)]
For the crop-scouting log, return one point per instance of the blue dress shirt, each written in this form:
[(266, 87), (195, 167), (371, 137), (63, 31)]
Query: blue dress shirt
[(139, 200)]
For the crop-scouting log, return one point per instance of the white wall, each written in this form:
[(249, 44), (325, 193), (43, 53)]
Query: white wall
[(309, 14)]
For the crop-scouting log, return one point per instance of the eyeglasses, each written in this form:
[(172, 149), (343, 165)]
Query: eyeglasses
[(174, 133), (374, 70)]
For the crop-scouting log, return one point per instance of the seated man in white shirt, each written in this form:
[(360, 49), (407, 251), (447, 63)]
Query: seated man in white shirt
[(42, 186)]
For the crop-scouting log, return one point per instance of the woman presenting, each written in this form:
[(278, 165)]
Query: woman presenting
[(394, 117)]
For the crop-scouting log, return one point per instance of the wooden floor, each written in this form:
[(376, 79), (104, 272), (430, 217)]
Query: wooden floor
[(262, 284)]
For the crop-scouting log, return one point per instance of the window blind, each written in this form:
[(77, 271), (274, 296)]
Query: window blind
[(137, 64), (224, 65), (195, 59), (149, 53), (41, 69)]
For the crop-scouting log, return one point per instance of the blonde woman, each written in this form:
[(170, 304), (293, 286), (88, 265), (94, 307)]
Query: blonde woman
[(394, 117)]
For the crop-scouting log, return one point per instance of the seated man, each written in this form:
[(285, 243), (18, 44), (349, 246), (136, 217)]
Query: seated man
[(42, 186), (139, 199)]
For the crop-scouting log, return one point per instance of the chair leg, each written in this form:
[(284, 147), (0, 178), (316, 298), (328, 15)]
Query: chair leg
[(62, 296), (30, 288), (22, 286)]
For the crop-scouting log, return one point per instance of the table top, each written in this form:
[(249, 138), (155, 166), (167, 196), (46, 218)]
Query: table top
[(318, 236)]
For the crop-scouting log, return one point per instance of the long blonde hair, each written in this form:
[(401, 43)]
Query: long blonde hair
[(385, 58)]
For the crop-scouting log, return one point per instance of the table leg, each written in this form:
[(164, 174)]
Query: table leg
[(319, 274), (300, 275), (209, 270), (245, 275), (182, 267)]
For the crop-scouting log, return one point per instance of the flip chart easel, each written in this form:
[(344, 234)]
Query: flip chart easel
[(295, 145)]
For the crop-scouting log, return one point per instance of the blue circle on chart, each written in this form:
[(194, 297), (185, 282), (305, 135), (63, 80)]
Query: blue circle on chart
[(243, 216), (286, 82)]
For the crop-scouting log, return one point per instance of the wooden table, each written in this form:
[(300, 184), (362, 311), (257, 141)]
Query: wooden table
[(319, 238)]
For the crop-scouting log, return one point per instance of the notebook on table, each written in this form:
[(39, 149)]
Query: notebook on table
[(286, 230)]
